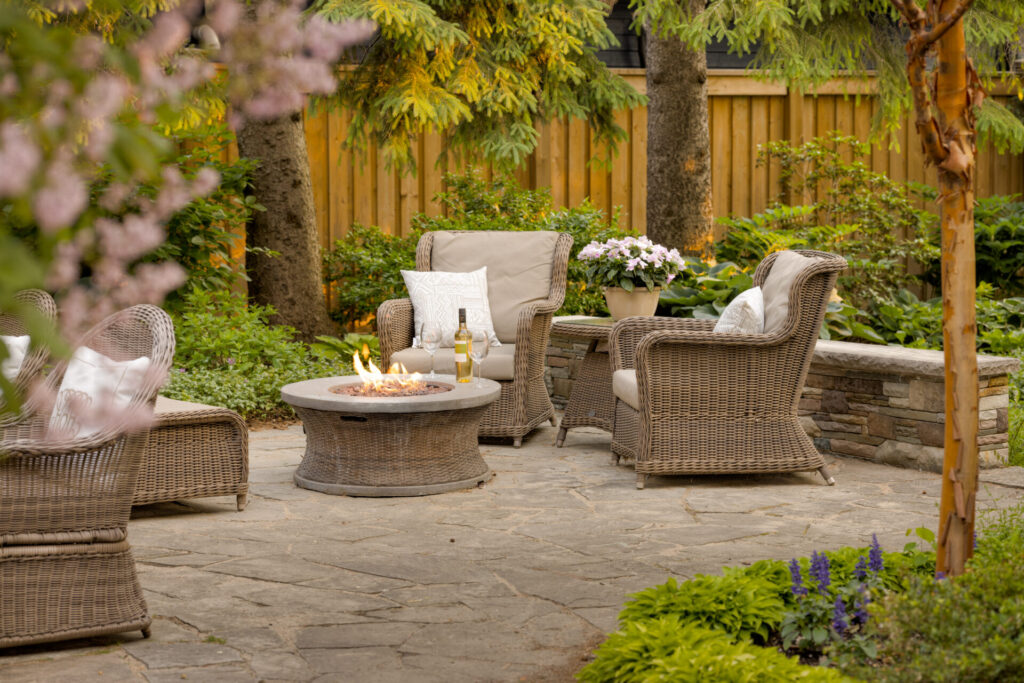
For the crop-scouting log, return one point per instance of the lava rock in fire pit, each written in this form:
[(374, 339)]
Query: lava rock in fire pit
[(381, 390)]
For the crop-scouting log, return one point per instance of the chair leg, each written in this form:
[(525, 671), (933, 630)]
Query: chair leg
[(641, 480), (146, 633), (517, 442), (554, 421), (826, 475), (562, 431), (241, 500), (616, 458)]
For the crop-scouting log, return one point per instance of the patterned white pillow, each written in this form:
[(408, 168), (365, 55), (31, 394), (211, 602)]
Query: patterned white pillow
[(17, 347), (744, 314), (97, 380), (437, 297)]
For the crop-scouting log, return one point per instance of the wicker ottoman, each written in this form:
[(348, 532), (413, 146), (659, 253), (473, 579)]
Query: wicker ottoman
[(194, 451)]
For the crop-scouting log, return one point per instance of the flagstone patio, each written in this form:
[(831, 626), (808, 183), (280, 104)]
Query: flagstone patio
[(513, 581)]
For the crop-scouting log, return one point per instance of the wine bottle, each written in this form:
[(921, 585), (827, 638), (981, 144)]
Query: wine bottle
[(463, 340)]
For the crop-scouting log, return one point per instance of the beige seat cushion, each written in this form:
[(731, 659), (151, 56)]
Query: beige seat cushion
[(787, 267), (518, 268), (625, 388), (499, 364)]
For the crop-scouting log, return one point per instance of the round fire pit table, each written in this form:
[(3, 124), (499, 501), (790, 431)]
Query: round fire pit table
[(391, 445)]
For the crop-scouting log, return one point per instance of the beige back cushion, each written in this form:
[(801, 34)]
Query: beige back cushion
[(787, 266), (518, 268)]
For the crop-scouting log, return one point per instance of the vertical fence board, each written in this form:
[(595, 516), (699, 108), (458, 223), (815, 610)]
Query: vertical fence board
[(743, 114)]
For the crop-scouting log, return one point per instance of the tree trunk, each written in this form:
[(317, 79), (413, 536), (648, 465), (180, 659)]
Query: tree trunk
[(954, 97), (292, 282), (679, 211)]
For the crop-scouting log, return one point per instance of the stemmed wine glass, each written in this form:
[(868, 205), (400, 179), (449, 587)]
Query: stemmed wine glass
[(478, 351), (430, 339)]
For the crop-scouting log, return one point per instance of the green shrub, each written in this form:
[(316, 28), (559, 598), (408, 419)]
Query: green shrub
[(703, 290), (998, 245), (970, 628), (228, 355), (906, 320), (668, 649), (201, 236), (362, 269), (742, 602), (1017, 431), (868, 218)]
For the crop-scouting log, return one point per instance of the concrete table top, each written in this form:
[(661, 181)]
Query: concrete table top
[(316, 394)]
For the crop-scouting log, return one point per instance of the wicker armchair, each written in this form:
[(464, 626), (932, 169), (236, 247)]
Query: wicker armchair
[(11, 325), (66, 568), (523, 293), (707, 403)]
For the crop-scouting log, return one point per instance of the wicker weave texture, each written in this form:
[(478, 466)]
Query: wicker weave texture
[(194, 451), (524, 403), (64, 506), (722, 403), (591, 403), (14, 326), (412, 450)]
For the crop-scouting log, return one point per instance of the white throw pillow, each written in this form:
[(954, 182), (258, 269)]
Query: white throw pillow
[(437, 297), (98, 380), (17, 348), (744, 314)]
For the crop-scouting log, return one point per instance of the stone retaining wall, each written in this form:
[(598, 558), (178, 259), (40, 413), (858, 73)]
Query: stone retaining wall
[(887, 404), (881, 403)]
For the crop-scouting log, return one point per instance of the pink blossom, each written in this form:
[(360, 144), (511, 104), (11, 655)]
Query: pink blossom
[(19, 159), (205, 182), (62, 199), (224, 17)]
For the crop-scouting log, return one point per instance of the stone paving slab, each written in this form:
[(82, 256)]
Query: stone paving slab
[(513, 581)]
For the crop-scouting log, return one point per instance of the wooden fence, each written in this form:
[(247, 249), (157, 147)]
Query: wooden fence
[(744, 113)]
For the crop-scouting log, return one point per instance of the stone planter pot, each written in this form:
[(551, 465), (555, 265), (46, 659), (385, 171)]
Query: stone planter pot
[(622, 304)]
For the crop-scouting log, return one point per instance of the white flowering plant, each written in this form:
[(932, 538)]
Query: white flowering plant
[(631, 262)]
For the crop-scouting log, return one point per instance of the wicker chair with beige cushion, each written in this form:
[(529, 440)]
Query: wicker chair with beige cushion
[(525, 286), (14, 326), (66, 568), (693, 401)]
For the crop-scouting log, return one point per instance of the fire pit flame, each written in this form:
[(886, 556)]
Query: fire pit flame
[(396, 380)]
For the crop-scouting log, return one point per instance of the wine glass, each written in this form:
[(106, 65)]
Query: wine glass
[(481, 344), (430, 339)]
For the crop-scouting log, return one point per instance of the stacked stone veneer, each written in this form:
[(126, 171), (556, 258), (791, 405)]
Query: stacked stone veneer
[(887, 403), (882, 403), (563, 360)]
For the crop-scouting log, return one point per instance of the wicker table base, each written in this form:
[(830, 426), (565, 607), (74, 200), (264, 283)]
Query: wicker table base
[(411, 446), (591, 403)]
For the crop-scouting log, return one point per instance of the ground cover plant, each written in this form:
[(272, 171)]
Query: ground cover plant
[(229, 355), (855, 613), (362, 268)]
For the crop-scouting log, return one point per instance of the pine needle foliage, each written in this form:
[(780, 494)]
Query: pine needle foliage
[(482, 71), (805, 43)]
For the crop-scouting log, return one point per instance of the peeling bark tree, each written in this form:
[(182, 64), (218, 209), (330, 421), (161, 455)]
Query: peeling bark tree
[(292, 283), (944, 104), (679, 210)]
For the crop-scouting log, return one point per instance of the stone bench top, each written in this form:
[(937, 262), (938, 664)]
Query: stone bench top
[(899, 360)]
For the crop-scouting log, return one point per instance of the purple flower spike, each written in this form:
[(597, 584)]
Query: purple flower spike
[(861, 570), (839, 616), (798, 588), (820, 571), (875, 562), (939, 576), (861, 613)]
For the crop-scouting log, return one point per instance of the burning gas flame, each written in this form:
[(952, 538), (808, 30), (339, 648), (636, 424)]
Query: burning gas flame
[(396, 380)]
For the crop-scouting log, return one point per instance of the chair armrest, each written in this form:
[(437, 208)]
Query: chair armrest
[(628, 332), (395, 322)]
